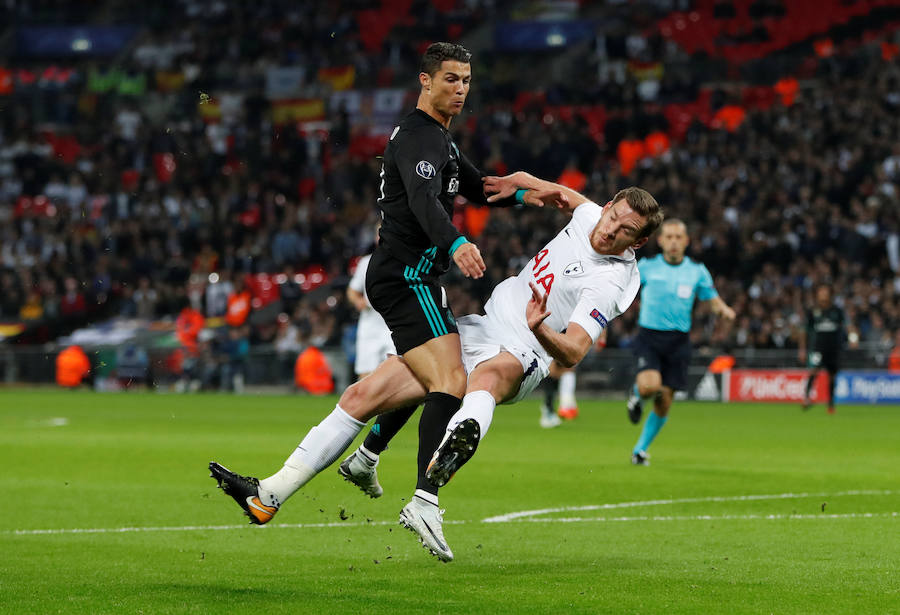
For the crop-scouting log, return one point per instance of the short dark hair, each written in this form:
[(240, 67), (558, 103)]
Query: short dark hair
[(437, 53), (671, 221), (644, 204), (820, 285)]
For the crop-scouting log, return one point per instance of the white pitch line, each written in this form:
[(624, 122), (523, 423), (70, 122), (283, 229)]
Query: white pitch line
[(192, 528), (711, 518), (734, 498), (527, 516)]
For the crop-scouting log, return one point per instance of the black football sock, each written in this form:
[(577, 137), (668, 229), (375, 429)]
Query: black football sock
[(810, 381), (386, 427), (832, 380), (436, 413)]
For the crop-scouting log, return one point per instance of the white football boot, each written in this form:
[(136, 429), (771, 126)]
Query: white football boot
[(426, 519), (360, 471)]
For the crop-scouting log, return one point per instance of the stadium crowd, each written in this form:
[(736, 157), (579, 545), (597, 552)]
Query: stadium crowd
[(126, 190)]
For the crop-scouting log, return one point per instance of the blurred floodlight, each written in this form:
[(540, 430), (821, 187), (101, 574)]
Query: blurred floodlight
[(81, 44), (556, 40)]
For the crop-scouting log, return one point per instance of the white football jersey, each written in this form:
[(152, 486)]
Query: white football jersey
[(371, 324), (585, 287)]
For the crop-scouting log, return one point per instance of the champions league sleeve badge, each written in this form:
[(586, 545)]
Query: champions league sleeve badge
[(596, 315), (425, 169)]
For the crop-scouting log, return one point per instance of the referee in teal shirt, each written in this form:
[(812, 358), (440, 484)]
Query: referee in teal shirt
[(669, 284)]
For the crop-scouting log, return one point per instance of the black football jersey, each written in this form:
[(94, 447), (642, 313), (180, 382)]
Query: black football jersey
[(421, 175), (825, 329)]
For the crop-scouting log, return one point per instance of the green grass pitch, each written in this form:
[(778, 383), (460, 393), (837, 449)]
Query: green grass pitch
[(681, 536)]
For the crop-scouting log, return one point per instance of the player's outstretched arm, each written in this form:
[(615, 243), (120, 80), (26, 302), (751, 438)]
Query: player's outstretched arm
[(503, 187), (567, 348)]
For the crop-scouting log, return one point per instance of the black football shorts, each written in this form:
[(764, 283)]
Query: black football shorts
[(668, 352), (412, 303)]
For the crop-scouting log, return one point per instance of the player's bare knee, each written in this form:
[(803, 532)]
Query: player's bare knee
[(452, 382), (648, 389), (357, 400), (457, 384), (493, 382)]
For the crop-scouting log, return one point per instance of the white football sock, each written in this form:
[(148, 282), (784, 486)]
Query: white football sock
[(423, 495), (320, 448), (367, 456), (478, 405), (567, 390)]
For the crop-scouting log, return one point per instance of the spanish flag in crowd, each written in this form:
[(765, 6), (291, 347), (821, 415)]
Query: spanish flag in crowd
[(338, 77), (209, 109), (297, 110), (169, 81)]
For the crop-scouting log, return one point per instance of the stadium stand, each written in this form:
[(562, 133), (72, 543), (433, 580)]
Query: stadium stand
[(170, 156)]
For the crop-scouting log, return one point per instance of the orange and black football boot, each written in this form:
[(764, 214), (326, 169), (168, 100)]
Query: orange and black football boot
[(245, 491)]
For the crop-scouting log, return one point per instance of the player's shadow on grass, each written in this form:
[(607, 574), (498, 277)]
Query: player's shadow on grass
[(232, 594)]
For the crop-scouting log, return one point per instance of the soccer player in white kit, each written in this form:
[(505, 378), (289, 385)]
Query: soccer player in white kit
[(586, 276), (373, 338), (555, 308)]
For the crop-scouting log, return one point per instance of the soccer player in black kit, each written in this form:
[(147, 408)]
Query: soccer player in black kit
[(822, 341), (422, 172)]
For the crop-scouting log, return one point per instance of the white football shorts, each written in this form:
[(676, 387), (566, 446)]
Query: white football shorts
[(482, 339)]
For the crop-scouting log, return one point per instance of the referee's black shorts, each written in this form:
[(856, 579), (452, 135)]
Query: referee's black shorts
[(668, 352), (412, 303)]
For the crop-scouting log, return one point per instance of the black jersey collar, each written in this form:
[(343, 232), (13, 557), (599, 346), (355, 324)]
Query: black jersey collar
[(429, 118)]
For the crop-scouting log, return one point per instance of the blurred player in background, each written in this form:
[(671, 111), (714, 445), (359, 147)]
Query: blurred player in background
[(822, 341), (670, 283), (373, 338), (562, 378), (557, 379)]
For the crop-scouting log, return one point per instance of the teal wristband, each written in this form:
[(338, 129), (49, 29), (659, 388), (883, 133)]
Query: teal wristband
[(520, 195), (459, 241)]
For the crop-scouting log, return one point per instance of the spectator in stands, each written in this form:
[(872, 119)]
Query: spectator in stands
[(217, 293), (239, 304), (145, 299)]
